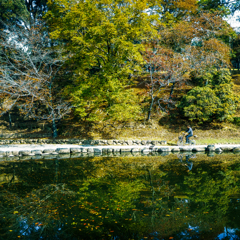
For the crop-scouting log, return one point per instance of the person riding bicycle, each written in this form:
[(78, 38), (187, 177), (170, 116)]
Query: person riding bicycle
[(190, 134)]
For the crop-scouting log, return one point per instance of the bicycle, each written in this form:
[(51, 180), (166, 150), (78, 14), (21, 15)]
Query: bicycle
[(181, 140)]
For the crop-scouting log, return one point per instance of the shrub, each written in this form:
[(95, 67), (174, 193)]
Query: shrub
[(228, 100), (222, 76), (212, 77), (236, 120), (214, 101), (200, 104)]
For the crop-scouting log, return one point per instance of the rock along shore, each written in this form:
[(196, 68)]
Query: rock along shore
[(49, 151)]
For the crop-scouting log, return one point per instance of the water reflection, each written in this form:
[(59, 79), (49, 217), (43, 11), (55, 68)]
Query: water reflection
[(187, 163), (183, 196)]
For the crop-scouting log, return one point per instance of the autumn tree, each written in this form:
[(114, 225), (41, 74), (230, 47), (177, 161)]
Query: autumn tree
[(103, 40), (211, 58), (166, 68), (27, 75), (174, 10), (189, 51)]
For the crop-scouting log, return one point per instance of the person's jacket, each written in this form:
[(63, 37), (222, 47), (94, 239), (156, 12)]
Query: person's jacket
[(189, 131)]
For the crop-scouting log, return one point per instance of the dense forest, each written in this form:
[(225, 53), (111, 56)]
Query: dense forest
[(118, 60)]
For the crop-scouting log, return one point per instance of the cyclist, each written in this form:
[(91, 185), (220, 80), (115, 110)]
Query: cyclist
[(190, 134)]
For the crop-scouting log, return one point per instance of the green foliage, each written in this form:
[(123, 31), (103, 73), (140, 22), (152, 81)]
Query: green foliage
[(222, 76), (117, 104), (236, 51), (103, 47), (225, 7), (236, 120), (215, 101), (228, 100), (211, 77), (204, 187), (202, 79), (200, 104)]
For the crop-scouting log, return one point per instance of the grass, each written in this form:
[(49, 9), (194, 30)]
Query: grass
[(157, 129), (225, 133), (218, 141)]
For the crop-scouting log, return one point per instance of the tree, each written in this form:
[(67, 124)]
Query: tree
[(216, 101), (36, 8), (27, 75), (12, 11), (236, 52), (188, 51), (174, 10), (166, 68), (200, 104), (226, 6), (103, 40), (19, 12)]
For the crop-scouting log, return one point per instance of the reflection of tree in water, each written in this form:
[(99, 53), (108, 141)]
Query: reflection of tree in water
[(124, 198), (34, 214)]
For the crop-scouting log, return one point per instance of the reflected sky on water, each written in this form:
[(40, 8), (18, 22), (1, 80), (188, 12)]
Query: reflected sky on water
[(179, 196)]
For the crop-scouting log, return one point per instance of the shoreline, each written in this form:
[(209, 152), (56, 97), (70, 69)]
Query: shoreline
[(51, 151)]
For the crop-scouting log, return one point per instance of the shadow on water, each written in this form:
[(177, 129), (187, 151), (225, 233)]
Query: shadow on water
[(184, 196)]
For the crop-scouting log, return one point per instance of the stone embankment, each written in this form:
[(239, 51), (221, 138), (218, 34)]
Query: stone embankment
[(82, 142), (48, 151)]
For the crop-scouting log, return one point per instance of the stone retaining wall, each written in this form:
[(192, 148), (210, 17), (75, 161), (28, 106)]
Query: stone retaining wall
[(25, 135), (82, 142)]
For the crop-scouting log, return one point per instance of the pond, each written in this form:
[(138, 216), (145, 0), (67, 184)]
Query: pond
[(179, 196)]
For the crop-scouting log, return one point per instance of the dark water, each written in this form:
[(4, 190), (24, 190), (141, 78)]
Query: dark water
[(172, 197)]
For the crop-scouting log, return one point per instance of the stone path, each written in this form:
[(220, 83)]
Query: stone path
[(38, 151)]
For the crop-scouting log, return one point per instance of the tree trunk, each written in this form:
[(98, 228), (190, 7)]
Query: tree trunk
[(171, 92), (151, 105), (54, 128), (149, 111)]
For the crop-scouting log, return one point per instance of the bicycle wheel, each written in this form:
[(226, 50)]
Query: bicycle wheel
[(193, 142), (180, 143)]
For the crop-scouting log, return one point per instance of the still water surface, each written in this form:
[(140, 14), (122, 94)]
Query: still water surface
[(154, 197)]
